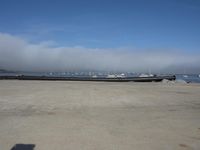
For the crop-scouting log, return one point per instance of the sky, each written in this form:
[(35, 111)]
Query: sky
[(107, 35)]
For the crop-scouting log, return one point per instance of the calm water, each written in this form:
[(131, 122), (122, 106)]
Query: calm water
[(189, 78)]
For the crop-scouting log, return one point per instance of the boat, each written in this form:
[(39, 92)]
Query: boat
[(111, 76), (185, 76), (147, 75)]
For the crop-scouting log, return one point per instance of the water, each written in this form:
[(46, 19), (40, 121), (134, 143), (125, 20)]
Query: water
[(194, 78)]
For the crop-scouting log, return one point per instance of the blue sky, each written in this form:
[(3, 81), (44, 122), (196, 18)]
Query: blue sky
[(105, 23), (136, 25)]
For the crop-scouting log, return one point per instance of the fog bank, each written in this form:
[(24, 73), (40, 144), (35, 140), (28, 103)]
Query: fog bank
[(20, 55)]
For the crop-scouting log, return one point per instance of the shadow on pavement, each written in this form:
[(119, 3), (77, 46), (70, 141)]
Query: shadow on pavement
[(23, 147)]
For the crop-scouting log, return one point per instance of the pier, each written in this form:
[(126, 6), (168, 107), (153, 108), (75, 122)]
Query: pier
[(125, 79)]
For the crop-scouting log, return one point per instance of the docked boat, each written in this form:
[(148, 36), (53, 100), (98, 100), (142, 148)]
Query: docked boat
[(185, 76), (147, 75)]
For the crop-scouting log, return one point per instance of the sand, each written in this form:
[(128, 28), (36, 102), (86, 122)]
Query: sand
[(63, 115)]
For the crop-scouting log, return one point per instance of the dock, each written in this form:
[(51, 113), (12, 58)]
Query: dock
[(103, 79)]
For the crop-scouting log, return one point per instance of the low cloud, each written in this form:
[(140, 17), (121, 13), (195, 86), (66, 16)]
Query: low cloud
[(19, 54)]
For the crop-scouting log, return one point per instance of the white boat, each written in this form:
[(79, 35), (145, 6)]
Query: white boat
[(185, 76), (111, 76), (94, 76), (122, 75), (146, 75)]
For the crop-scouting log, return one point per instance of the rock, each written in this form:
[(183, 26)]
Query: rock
[(167, 81)]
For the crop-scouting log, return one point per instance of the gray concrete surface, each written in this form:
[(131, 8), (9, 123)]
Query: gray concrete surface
[(99, 115)]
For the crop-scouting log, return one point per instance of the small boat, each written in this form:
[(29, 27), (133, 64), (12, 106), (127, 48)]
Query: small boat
[(146, 75), (111, 76), (185, 76), (94, 76)]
